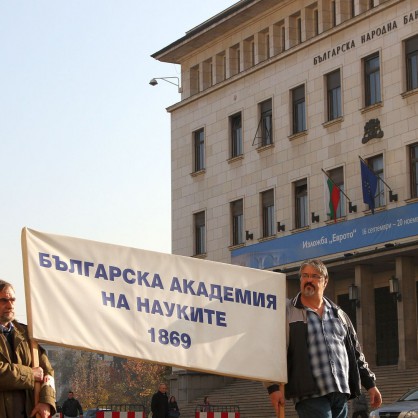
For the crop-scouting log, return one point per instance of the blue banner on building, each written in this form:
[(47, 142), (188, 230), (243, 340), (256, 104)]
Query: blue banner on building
[(335, 238)]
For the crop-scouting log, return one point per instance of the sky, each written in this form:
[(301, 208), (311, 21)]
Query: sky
[(84, 138)]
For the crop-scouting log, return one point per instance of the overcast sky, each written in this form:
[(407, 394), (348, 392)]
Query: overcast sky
[(85, 140)]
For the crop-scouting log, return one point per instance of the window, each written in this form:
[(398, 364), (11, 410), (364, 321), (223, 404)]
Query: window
[(263, 46), (207, 76), (413, 149), (336, 177), (372, 80), (352, 8), (411, 53), (249, 53), (299, 29), (334, 13), (194, 80), (199, 149), (199, 233), (301, 204), (220, 67), (267, 206), (265, 126), (295, 29), (283, 38), (311, 21), (334, 95), (376, 165), (237, 222), (235, 123), (252, 53), (267, 47), (234, 59), (362, 5), (278, 40), (298, 104)]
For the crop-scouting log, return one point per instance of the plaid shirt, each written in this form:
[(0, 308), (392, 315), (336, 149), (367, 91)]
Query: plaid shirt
[(327, 352)]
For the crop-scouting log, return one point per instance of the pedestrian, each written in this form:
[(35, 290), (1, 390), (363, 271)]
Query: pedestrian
[(17, 375), (325, 363), (71, 407), (159, 402), (173, 408), (206, 405)]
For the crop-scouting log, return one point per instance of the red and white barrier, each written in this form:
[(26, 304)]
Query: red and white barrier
[(217, 415), (107, 414)]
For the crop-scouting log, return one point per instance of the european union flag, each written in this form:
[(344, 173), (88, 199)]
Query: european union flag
[(369, 185)]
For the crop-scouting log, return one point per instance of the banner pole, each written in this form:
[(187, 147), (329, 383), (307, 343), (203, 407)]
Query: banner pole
[(281, 407), (35, 363)]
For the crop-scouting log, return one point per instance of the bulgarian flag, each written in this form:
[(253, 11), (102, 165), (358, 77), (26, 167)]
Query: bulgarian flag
[(334, 199)]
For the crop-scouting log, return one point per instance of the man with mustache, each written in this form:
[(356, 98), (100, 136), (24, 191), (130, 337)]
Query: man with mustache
[(17, 376), (325, 364)]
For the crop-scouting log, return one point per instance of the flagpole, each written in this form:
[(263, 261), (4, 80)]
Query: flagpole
[(336, 185), (281, 407), (34, 347), (377, 175), (35, 363)]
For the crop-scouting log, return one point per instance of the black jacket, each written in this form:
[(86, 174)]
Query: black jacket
[(72, 408), (172, 406), (159, 405), (299, 375)]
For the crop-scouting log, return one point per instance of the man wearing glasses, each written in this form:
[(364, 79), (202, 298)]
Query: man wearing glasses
[(325, 364), (17, 376)]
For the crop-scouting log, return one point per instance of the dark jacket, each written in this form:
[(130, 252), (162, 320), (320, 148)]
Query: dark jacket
[(16, 377), (72, 408), (159, 405), (173, 407), (299, 375)]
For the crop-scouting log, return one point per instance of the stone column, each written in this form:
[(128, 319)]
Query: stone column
[(366, 329), (407, 316)]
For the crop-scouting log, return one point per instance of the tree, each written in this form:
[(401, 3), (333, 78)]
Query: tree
[(100, 380), (136, 381), (91, 380), (63, 360)]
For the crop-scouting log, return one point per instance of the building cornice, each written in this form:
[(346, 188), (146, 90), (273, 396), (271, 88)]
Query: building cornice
[(218, 25)]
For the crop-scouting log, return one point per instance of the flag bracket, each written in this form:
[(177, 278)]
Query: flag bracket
[(249, 236), (352, 208), (280, 227), (393, 197), (315, 218)]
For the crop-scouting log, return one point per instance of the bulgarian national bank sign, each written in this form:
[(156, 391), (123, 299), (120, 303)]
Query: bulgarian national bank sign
[(377, 32)]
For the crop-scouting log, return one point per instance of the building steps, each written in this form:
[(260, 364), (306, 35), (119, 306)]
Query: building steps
[(253, 400)]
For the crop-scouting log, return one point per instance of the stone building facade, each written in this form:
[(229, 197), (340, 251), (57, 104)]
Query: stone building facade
[(282, 101)]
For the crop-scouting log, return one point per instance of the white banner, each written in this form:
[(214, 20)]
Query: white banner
[(175, 310)]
